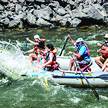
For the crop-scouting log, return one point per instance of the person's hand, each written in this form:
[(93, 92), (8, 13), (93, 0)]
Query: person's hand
[(27, 39), (69, 36), (98, 50), (70, 53), (43, 66), (25, 53), (98, 44)]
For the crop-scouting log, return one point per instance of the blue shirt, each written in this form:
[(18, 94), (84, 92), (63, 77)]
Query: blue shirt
[(83, 51)]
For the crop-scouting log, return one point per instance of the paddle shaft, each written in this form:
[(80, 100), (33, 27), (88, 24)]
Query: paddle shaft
[(43, 69), (93, 89), (98, 50), (25, 46), (64, 46), (41, 62)]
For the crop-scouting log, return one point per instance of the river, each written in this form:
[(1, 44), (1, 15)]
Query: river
[(32, 93)]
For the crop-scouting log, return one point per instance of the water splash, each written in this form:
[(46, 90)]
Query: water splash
[(13, 60)]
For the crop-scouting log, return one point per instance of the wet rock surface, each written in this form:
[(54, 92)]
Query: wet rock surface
[(52, 13)]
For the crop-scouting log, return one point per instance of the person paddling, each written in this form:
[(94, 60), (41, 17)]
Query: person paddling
[(38, 44), (50, 57), (82, 54), (102, 60)]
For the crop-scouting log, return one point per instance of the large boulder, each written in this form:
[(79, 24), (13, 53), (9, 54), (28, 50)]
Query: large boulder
[(41, 22), (43, 13), (1, 8), (14, 23), (75, 22), (4, 2), (31, 19)]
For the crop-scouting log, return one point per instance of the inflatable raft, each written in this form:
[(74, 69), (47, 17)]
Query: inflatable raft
[(96, 77)]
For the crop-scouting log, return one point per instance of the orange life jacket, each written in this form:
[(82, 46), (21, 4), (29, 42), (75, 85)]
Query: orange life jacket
[(39, 47), (104, 50), (48, 58)]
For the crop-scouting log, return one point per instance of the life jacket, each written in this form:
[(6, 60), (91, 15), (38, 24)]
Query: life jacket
[(84, 55), (104, 50), (40, 47), (48, 58)]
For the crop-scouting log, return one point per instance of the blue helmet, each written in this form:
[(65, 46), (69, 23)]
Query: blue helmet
[(79, 40)]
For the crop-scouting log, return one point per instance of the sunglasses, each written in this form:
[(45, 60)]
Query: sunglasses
[(78, 42), (106, 38)]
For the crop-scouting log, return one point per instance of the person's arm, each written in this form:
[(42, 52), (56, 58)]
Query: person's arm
[(34, 43), (77, 55), (54, 51), (41, 51), (104, 66), (51, 59), (98, 44), (81, 52), (72, 41), (29, 51)]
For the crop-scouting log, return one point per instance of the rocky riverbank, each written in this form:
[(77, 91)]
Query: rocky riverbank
[(52, 13)]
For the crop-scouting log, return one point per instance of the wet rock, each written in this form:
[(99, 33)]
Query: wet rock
[(6, 21), (14, 23), (41, 22), (1, 8), (4, 2), (75, 22), (52, 13), (31, 19)]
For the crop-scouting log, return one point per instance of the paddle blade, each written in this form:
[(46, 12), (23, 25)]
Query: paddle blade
[(25, 46), (95, 93), (64, 46), (46, 82)]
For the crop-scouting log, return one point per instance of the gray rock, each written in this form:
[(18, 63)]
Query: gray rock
[(41, 1), (14, 23), (60, 11), (42, 22), (31, 19), (30, 1), (105, 6), (3, 1), (6, 21), (21, 25), (54, 4), (44, 13), (75, 22), (18, 8), (1, 8)]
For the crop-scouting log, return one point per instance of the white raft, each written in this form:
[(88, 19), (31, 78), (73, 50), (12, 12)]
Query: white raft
[(97, 78)]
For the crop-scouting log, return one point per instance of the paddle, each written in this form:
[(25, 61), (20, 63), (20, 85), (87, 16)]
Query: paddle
[(25, 46), (42, 68), (98, 50), (64, 46), (93, 89)]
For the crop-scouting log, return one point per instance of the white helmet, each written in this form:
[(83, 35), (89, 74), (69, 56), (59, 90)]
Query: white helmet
[(36, 37), (79, 40)]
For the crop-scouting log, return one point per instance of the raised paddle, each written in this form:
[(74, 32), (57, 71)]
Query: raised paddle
[(43, 69), (64, 46), (93, 89), (25, 46)]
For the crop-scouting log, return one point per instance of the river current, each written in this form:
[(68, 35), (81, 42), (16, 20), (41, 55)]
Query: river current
[(33, 93)]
